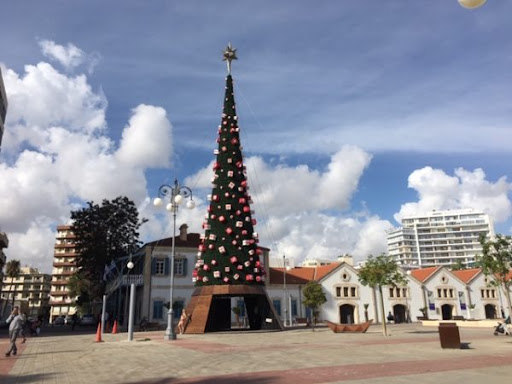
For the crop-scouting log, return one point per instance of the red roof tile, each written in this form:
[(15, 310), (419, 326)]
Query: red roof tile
[(466, 275), (300, 275), (424, 273)]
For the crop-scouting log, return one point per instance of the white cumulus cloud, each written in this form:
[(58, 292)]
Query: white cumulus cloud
[(465, 189)]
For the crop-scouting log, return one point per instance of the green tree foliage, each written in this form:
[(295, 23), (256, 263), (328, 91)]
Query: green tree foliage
[(12, 270), (102, 233), (496, 261), (314, 297), (379, 272), (229, 253)]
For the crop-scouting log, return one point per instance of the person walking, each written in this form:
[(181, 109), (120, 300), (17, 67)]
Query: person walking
[(23, 326), (15, 322)]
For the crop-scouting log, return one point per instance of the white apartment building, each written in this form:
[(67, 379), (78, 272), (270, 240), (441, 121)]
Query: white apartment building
[(64, 266), (439, 238), (30, 289)]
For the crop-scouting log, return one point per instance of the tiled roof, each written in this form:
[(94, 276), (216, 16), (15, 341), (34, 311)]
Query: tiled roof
[(424, 273), (300, 275), (193, 241), (466, 275), (324, 270)]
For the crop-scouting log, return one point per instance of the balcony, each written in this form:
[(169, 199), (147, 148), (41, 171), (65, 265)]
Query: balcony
[(64, 264)]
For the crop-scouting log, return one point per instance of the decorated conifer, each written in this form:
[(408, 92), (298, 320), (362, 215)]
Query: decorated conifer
[(228, 253)]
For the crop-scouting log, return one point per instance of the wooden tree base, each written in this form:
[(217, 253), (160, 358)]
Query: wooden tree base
[(210, 308)]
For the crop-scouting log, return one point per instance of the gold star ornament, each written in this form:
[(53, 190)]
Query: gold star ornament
[(229, 54)]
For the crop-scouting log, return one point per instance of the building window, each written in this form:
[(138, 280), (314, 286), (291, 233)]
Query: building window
[(180, 267), (158, 309), (346, 292), (177, 308), (277, 306), (294, 307)]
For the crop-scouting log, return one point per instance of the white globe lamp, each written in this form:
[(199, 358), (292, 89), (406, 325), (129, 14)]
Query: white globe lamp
[(471, 4)]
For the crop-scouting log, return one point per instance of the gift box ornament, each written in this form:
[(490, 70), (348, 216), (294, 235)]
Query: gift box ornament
[(215, 197), (239, 267), (212, 236), (226, 280), (244, 232), (236, 276), (222, 249), (205, 279), (246, 208), (242, 200), (216, 151), (233, 259), (230, 173), (249, 277), (209, 197), (206, 267), (258, 263), (251, 252), (239, 224), (228, 207), (256, 270), (231, 185), (216, 274), (247, 264), (227, 269), (259, 278), (194, 273), (230, 160)]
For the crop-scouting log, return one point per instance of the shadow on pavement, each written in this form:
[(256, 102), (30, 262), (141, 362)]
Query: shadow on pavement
[(243, 378), (25, 379)]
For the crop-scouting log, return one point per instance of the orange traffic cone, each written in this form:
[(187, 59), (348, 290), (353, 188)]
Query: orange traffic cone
[(114, 328), (98, 334)]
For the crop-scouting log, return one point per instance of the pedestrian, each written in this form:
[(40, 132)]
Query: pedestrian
[(182, 325), (390, 317), (74, 321), (23, 326), (15, 322)]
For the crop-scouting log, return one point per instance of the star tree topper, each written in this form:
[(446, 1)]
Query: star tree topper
[(229, 54)]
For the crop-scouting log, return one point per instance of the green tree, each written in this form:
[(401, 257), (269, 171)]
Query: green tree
[(458, 266), (314, 297), (496, 261), (12, 270), (103, 233), (379, 272)]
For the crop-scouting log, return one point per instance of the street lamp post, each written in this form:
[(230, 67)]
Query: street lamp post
[(129, 265), (175, 193), (285, 303)]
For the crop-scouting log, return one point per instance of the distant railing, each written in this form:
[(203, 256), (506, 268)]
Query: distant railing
[(133, 279)]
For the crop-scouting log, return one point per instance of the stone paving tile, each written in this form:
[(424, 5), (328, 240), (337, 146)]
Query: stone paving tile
[(412, 353)]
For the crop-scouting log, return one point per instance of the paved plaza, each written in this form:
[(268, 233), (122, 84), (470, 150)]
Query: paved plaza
[(411, 354)]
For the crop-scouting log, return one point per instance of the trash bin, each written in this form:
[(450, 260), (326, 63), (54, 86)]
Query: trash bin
[(449, 335)]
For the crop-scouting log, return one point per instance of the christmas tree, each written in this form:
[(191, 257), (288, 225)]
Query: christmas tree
[(228, 253)]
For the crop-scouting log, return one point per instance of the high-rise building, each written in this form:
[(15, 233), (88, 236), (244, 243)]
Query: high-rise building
[(64, 266), (3, 107), (30, 289), (439, 238)]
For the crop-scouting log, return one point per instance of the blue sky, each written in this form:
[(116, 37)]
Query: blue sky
[(353, 113)]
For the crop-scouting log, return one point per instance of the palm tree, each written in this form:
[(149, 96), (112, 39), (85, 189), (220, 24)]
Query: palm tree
[(12, 270)]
